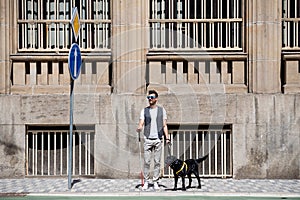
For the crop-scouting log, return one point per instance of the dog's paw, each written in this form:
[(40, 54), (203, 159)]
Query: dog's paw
[(174, 189), (183, 189), (199, 187)]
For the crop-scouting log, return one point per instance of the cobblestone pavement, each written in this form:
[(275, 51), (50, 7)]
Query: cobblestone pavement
[(249, 187)]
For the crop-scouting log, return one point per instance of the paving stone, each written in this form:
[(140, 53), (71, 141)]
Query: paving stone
[(60, 185)]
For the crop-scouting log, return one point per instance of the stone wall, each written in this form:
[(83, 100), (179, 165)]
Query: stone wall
[(265, 122), (265, 128)]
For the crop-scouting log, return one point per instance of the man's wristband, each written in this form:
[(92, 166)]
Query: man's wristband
[(167, 139)]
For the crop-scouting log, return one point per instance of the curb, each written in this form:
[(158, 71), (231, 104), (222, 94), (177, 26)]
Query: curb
[(173, 193)]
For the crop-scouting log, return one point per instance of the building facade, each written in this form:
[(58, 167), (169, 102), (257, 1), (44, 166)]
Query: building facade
[(227, 73)]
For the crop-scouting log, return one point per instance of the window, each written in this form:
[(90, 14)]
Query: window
[(45, 25), (194, 24), (290, 46), (291, 24), (195, 141), (47, 150)]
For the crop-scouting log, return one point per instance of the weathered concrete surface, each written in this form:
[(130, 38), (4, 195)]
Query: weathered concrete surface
[(265, 128), (12, 137), (268, 146)]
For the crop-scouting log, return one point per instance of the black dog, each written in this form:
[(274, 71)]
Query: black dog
[(183, 168)]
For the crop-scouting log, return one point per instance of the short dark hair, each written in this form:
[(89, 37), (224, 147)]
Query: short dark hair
[(153, 92)]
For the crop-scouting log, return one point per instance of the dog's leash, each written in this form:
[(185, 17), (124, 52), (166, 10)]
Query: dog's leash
[(169, 153)]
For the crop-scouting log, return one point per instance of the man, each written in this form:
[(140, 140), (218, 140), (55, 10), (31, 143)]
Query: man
[(154, 120)]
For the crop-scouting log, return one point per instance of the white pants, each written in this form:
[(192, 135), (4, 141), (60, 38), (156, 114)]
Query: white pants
[(155, 147)]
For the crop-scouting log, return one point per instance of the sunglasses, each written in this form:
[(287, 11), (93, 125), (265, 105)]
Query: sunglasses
[(151, 97)]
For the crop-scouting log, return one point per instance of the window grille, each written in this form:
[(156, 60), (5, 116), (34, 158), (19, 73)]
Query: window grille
[(291, 25), (45, 25), (47, 151), (194, 24), (196, 142)]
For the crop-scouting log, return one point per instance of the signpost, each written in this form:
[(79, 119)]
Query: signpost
[(74, 62)]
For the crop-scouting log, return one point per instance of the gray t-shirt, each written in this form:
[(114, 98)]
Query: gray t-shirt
[(153, 113)]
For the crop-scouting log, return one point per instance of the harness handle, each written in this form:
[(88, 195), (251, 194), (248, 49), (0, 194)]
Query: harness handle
[(169, 148)]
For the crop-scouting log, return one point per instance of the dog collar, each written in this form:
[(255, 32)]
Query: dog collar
[(183, 165)]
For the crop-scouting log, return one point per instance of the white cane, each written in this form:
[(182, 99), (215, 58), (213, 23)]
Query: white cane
[(141, 164)]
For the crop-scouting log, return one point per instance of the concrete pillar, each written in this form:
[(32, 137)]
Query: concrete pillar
[(4, 59), (8, 41), (129, 45), (264, 45)]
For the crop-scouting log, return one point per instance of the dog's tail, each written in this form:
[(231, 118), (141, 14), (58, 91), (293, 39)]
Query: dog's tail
[(201, 159)]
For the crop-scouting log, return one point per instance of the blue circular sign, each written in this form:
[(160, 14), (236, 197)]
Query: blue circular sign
[(74, 61)]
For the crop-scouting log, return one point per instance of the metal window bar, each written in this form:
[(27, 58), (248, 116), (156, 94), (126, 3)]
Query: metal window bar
[(45, 25), (291, 25), (190, 143), (47, 152), (216, 32)]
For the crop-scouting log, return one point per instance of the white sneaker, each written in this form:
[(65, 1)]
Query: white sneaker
[(145, 186), (156, 186)]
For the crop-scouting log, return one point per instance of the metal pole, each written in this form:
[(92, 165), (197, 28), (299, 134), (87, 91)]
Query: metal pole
[(71, 137)]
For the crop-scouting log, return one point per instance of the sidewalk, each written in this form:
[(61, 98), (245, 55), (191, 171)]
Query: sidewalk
[(130, 187)]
